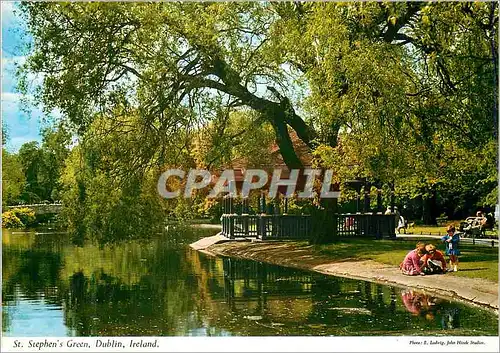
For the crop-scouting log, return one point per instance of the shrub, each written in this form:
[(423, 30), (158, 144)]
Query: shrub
[(26, 215), (212, 209), (18, 218), (10, 220)]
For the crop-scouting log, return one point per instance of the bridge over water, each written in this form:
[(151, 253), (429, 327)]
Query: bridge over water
[(40, 208)]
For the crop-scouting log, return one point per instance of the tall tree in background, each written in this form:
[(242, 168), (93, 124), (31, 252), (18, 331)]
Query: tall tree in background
[(13, 180), (42, 165), (411, 90), (169, 60), (31, 159)]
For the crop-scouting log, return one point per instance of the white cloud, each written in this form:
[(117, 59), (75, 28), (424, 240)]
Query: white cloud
[(11, 61), (9, 17), (11, 97), (23, 127), (15, 118)]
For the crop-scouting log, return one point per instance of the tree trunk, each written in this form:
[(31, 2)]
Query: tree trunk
[(324, 224), (285, 145), (494, 58), (429, 209), (280, 115), (392, 201), (366, 198)]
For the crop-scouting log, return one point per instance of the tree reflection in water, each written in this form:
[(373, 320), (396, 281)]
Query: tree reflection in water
[(161, 287)]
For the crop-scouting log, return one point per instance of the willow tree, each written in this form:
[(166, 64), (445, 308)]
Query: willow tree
[(402, 92), (170, 60), (384, 79)]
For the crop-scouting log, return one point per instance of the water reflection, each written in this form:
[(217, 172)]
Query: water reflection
[(161, 287), (294, 302), (450, 318), (424, 305)]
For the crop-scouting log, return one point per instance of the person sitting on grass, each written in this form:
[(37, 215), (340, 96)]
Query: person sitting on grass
[(433, 261), (451, 240), (412, 264)]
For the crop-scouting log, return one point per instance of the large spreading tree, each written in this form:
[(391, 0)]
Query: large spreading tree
[(395, 92)]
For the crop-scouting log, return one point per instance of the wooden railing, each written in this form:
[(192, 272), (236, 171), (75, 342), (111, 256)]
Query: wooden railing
[(266, 227), (366, 225)]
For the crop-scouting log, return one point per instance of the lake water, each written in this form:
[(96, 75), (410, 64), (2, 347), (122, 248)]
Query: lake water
[(161, 287)]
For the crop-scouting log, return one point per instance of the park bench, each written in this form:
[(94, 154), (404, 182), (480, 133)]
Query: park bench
[(475, 227)]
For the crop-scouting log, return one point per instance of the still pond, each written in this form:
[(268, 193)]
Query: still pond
[(161, 287)]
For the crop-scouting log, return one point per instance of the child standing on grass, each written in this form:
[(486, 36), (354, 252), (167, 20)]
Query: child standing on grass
[(451, 239)]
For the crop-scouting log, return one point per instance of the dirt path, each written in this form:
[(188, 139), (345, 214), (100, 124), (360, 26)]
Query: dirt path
[(471, 290)]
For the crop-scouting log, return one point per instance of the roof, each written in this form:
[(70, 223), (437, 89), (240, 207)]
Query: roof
[(277, 162), (240, 165)]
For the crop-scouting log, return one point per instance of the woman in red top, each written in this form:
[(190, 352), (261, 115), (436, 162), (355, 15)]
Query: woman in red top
[(433, 260)]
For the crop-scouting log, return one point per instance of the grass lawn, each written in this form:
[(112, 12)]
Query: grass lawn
[(475, 261), (441, 230)]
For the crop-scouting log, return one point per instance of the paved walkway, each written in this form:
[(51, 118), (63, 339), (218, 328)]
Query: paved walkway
[(207, 226), (471, 290), (204, 243)]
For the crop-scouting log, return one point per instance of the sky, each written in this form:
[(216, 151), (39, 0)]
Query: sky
[(21, 126)]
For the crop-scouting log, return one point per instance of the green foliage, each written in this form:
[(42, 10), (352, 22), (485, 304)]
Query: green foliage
[(297, 206), (5, 134), (26, 215), (10, 220), (417, 114), (183, 210), (31, 159), (213, 210), (235, 139), (42, 164), (13, 179), (394, 92), (102, 208), (18, 218)]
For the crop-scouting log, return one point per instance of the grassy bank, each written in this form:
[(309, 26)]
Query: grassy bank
[(476, 261)]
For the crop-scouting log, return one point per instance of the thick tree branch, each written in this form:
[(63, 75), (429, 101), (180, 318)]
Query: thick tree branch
[(393, 28), (278, 114)]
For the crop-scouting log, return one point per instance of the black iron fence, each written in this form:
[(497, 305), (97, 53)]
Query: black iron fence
[(366, 225), (267, 222), (298, 227), (266, 227)]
